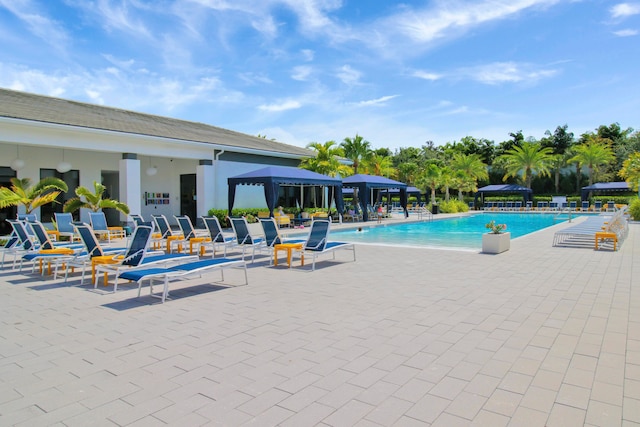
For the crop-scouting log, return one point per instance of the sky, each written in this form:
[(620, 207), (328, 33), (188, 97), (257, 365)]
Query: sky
[(298, 71)]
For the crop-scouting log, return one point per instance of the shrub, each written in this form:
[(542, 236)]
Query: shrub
[(453, 206), (634, 209)]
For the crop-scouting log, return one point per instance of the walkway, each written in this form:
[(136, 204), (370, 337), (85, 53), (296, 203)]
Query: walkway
[(537, 336)]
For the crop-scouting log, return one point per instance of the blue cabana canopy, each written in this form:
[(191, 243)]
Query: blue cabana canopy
[(365, 183), (527, 193), (272, 177), (604, 187), (411, 191)]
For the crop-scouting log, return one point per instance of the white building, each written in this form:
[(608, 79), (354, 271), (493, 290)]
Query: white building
[(156, 165)]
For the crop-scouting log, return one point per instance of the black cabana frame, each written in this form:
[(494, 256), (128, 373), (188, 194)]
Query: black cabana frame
[(495, 189), (365, 183)]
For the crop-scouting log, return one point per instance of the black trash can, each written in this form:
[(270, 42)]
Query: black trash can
[(435, 209)]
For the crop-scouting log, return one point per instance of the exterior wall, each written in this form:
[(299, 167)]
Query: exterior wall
[(94, 151)]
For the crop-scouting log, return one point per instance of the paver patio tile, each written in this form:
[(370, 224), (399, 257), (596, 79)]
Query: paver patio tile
[(603, 414), (566, 416)]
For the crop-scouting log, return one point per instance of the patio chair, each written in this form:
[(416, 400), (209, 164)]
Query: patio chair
[(573, 206), (217, 236), (10, 246), (23, 244), (584, 206), (165, 234), (611, 206), (92, 249), (244, 239), (64, 223), (45, 249), (190, 235), (182, 272), (272, 237), (100, 227), (137, 256), (317, 243), (597, 206)]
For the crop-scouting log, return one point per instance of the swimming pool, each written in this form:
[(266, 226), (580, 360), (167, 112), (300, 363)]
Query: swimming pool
[(463, 233)]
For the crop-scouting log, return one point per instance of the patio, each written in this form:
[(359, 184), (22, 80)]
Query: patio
[(536, 336)]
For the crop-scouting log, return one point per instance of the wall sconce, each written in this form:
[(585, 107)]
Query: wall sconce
[(17, 163), (63, 166)]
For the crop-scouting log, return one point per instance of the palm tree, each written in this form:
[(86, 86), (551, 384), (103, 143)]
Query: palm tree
[(558, 163), (407, 172), (630, 171), (326, 160), (431, 177), (379, 165), (447, 180), (530, 158), (593, 154), (471, 166), (94, 201), (22, 193), (357, 150)]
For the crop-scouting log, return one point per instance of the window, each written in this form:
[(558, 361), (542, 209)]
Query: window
[(72, 179)]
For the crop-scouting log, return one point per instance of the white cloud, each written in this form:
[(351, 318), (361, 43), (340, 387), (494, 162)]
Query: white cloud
[(301, 72), (348, 75), (445, 19), (506, 72), (308, 54), (623, 10), (50, 31), (283, 106), (427, 75), (120, 16), (626, 33), (380, 101)]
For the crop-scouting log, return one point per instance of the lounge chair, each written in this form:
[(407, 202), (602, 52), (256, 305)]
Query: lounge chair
[(165, 234), (217, 236), (10, 246), (244, 239), (272, 237), (282, 220), (317, 243), (137, 256), (92, 249), (611, 206), (64, 223), (45, 248), (584, 207), (182, 272), (583, 234), (24, 243), (190, 235), (597, 206), (100, 227)]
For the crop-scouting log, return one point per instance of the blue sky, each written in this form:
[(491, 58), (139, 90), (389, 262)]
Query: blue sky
[(300, 71)]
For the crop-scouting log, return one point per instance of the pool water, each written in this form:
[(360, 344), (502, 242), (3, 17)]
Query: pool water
[(464, 233)]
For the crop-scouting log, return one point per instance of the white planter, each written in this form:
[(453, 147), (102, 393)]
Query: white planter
[(496, 243)]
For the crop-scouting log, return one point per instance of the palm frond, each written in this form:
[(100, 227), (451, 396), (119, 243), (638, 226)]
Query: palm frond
[(73, 205), (9, 198), (44, 199)]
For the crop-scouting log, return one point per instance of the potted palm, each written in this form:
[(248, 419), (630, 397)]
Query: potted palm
[(496, 240), (94, 201)]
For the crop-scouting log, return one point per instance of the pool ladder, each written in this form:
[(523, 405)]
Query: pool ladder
[(567, 210)]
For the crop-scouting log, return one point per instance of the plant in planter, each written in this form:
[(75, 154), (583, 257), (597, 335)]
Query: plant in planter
[(496, 240)]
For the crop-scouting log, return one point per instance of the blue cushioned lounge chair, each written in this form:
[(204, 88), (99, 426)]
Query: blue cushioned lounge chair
[(64, 223), (100, 227), (244, 239), (182, 272), (136, 256), (217, 236), (272, 237), (317, 243)]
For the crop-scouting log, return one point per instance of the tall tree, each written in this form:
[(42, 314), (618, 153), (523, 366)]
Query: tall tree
[(357, 150), (31, 197), (630, 171), (379, 165), (470, 165), (431, 177), (530, 158), (593, 154), (326, 160)]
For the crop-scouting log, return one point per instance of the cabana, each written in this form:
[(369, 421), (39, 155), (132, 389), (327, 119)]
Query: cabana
[(366, 183), (500, 189), (411, 191), (605, 187), (273, 177)]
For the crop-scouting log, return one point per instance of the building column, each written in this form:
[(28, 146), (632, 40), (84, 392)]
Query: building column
[(129, 183), (204, 187)]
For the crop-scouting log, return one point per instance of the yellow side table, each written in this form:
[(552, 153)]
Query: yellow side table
[(289, 247), (104, 259), (56, 251)]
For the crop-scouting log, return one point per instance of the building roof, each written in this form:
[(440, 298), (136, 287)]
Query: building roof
[(28, 106)]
